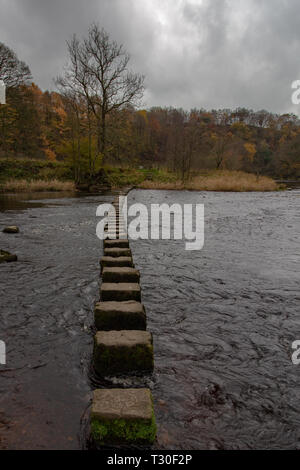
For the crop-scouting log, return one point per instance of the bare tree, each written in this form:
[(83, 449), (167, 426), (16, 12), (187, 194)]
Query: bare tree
[(98, 70), (13, 71)]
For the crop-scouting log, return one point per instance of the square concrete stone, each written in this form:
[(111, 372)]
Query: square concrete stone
[(128, 315), (120, 274), (120, 292), (117, 236), (116, 244), (108, 261), (124, 351), (123, 416), (115, 252)]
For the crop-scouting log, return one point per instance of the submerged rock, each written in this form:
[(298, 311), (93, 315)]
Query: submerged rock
[(11, 229), (6, 257)]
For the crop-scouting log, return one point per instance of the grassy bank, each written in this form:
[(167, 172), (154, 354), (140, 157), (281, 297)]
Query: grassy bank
[(28, 175), (30, 169), (235, 181), (135, 177), (217, 180), (27, 186), (25, 175)]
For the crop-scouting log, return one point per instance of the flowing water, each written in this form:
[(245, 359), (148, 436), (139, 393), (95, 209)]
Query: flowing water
[(223, 321)]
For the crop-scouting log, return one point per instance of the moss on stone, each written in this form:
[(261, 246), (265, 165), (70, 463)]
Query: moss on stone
[(121, 430)]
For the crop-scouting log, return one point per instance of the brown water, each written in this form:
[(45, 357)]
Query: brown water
[(223, 321)]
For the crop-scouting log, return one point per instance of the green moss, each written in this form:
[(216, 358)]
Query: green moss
[(120, 430)]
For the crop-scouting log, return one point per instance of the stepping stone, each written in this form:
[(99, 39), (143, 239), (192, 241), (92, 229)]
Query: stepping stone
[(110, 231), (117, 222), (117, 236), (121, 352), (116, 252), (120, 292), (111, 235), (123, 416), (116, 244), (128, 315), (119, 229), (120, 274), (113, 219), (108, 261), (118, 226), (11, 229)]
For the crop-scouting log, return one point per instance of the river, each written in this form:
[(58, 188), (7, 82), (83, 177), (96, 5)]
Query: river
[(223, 321)]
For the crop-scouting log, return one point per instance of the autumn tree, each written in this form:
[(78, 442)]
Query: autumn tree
[(8, 119), (98, 70), (222, 139)]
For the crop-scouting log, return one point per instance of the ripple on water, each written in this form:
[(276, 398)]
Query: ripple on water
[(223, 320)]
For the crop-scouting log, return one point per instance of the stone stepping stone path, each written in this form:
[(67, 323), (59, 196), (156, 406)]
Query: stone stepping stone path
[(122, 345)]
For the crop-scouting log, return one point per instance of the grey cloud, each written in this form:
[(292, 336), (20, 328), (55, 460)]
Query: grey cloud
[(194, 53)]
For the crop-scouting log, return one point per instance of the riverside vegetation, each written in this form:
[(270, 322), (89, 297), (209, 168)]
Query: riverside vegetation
[(84, 126), (27, 175)]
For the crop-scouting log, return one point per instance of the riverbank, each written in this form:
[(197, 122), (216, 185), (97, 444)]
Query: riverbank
[(233, 181), (36, 175), (25, 186)]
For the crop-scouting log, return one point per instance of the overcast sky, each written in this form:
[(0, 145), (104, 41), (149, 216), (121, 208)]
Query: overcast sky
[(194, 53)]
